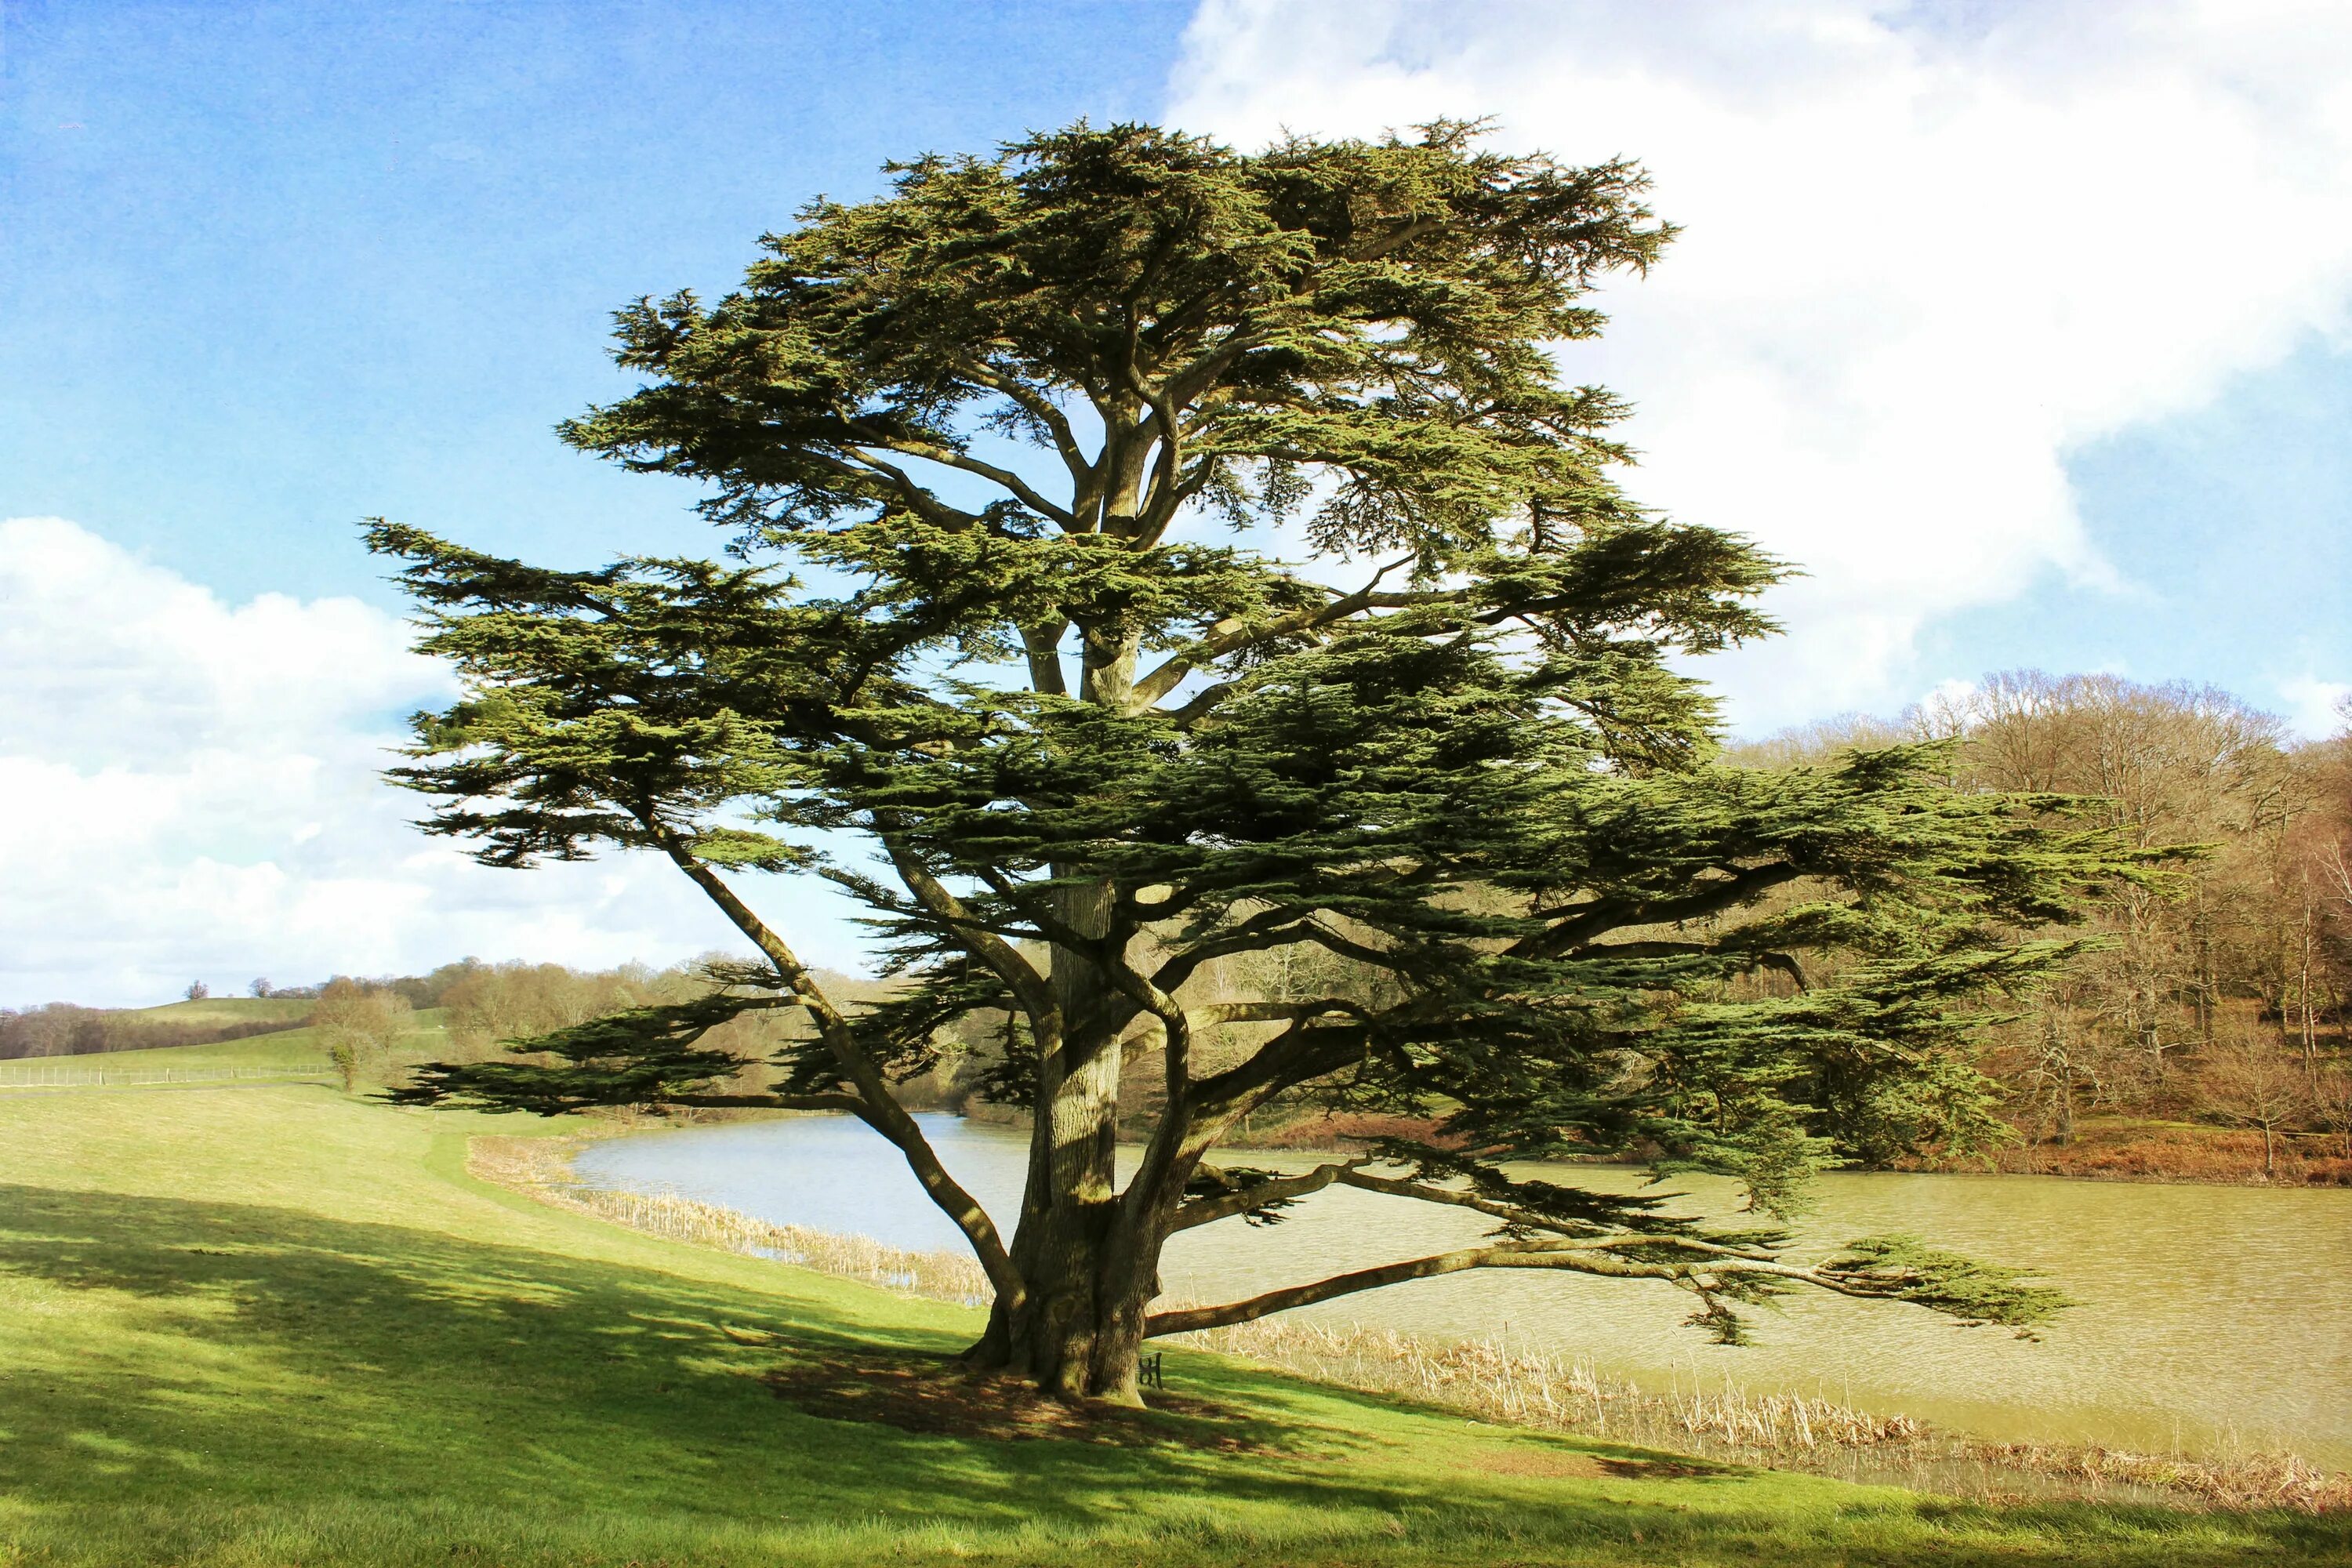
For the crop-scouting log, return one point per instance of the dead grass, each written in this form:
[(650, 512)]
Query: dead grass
[(542, 1167), (1782, 1431)]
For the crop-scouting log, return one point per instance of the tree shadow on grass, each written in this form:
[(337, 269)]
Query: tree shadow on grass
[(267, 1351), (220, 1353)]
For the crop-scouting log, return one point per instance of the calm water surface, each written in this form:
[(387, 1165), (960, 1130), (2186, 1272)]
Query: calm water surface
[(2210, 1315)]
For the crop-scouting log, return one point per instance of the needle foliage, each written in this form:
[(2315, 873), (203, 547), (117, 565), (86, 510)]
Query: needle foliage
[(1153, 558)]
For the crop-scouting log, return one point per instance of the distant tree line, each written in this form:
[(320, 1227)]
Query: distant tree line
[(63, 1029), (2226, 995)]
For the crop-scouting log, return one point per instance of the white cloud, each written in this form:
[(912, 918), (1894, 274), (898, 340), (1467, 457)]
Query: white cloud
[(189, 790), (1928, 251), (2314, 709)]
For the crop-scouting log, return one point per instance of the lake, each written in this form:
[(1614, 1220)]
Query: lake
[(2212, 1317)]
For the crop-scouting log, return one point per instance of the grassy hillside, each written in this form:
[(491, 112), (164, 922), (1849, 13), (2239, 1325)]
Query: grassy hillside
[(229, 1010), (242, 1326), (284, 1048)]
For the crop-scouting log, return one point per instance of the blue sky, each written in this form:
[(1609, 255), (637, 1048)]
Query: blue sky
[(2231, 525), (273, 268), (1943, 329)]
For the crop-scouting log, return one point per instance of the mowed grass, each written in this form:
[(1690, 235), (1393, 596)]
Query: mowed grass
[(276, 1326), (229, 1010), (284, 1048)]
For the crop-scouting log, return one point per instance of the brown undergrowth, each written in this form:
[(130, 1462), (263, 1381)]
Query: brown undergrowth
[(2138, 1150), (2117, 1150), (1729, 1425), (1780, 1431)]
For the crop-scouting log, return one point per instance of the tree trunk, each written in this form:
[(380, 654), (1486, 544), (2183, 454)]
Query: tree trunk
[(1090, 1260), (1091, 1265), (1091, 1268), (1080, 1335)]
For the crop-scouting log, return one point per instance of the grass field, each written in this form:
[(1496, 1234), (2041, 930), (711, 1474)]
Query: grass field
[(272, 1326), (229, 1010), (288, 1048)]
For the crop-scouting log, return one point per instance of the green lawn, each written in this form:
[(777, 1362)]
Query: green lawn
[(230, 1010), (285, 1048), (270, 1326), (289, 1047)]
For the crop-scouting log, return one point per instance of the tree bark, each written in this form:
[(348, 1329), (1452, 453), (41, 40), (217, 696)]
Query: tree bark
[(1089, 1274), (1079, 1336), (1090, 1261)]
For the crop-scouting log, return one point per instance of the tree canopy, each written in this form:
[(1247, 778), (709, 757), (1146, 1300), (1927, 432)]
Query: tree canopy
[(1156, 556)]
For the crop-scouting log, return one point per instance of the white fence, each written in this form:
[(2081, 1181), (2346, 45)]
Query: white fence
[(52, 1074)]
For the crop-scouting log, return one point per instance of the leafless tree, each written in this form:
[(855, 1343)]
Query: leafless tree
[(2251, 1082)]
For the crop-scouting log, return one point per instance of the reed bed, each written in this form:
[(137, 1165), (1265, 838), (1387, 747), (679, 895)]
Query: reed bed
[(1491, 1382), (542, 1166), (1781, 1430)]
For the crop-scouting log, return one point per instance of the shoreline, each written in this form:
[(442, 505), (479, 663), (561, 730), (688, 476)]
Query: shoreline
[(1779, 1431), (2168, 1156), (2133, 1150)]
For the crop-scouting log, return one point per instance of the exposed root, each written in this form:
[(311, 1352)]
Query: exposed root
[(918, 1395)]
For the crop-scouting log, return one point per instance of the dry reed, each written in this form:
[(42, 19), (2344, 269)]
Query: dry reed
[(542, 1167), (1784, 1431), (1517, 1387)]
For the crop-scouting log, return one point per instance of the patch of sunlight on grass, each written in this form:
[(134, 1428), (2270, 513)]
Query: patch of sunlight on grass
[(255, 1328)]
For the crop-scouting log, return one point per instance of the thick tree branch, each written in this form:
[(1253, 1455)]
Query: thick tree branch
[(1274, 1012), (1504, 1255), (918, 498), (1233, 637), (1748, 958), (1029, 987), (1281, 926), (1039, 407), (883, 1112), (1242, 1199), (1013, 484), (1513, 1214), (1300, 1054), (1043, 646), (1586, 922)]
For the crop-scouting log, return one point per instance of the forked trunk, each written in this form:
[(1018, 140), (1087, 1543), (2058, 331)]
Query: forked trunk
[(1091, 1265), (1080, 1334)]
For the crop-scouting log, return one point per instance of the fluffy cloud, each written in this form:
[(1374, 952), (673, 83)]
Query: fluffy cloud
[(1928, 250), (2316, 707), (189, 789)]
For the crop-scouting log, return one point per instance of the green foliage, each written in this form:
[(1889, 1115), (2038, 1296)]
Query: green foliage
[(1908, 1268), (1478, 777), (645, 1056)]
